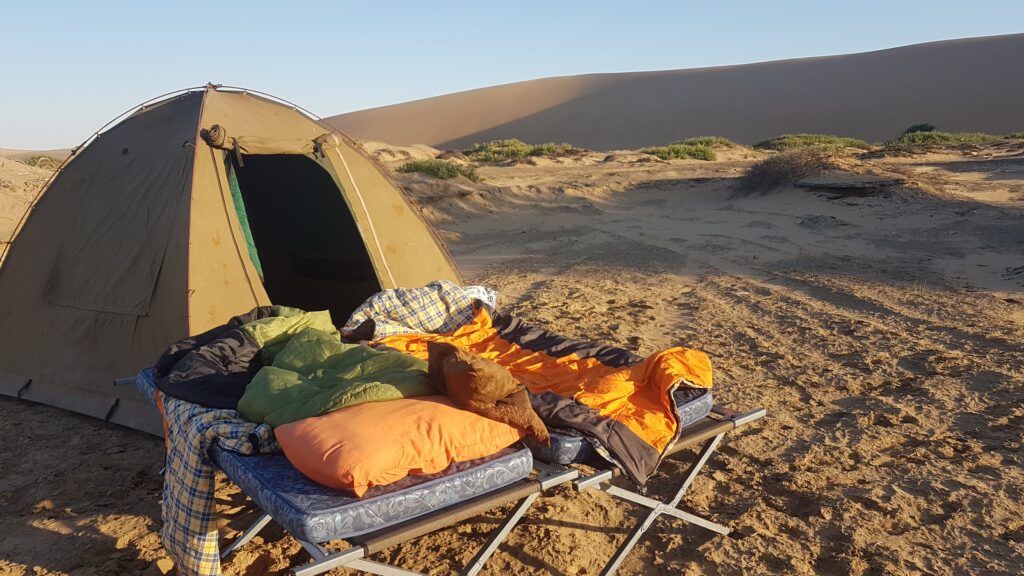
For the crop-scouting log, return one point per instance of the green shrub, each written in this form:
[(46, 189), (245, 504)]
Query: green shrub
[(919, 128), (514, 149), (1015, 136), (709, 141), (552, 149), (794, 141), (679, 151), (791, 165), (41, 162), (440, 169), (916, 138)]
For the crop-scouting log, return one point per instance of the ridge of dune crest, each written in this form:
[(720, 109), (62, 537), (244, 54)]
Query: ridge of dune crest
[(957, 85)]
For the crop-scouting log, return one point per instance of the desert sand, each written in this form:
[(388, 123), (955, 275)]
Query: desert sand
[(19, 184), (881, 325), (873, 96)]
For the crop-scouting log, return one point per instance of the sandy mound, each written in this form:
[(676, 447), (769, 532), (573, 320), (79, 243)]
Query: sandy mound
[(57, 155), (882, 333), (390, 155), (19, 184)]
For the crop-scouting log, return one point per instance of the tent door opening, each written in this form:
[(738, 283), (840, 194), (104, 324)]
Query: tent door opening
[(302, 238)]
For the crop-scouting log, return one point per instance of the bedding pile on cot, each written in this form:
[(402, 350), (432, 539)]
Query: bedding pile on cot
[(421, 379)]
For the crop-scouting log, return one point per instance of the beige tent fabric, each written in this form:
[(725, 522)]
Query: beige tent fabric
[(401, 245), (125, 184), (405, 257), (256, 145), (222, 279), (73, 353), (136, 244), (216, 136)]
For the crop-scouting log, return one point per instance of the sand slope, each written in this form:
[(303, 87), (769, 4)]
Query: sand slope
[(882, 329), (874, 96), (58, 154), (19, 184)]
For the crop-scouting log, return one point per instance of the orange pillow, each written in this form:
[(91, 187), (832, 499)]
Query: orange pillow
[(381, 442)]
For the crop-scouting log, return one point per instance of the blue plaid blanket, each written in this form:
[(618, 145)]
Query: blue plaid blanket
[(189, 534), (438, 307)]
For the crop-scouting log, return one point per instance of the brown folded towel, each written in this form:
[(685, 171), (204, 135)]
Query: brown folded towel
[(483, 387)]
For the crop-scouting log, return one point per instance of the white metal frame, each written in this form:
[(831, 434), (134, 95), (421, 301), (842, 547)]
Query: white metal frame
[(356, 556), (548, 476), (669, 506)]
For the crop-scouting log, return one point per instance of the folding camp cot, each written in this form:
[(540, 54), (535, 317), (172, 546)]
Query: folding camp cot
[(418, 505), (390, 515), (314, 514)]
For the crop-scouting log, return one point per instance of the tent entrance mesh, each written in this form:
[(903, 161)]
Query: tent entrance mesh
[(301, 236)]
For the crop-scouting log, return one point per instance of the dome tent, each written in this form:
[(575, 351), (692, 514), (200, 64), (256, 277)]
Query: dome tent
[(192, 209)]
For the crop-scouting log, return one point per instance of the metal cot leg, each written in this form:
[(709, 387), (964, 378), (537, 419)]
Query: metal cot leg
[(498, 535), (246, 536), (371, 567), (667, 507), (324, 560)]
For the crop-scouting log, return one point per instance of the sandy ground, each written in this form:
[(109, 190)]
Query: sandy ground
[(883, 331), (19, 184)]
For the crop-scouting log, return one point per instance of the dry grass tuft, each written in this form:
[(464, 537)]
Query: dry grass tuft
[(787, 167), (440, 169)]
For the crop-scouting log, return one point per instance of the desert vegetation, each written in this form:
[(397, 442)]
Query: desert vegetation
[(786, 142), (682, 151), (791, 165), (440, 169), (696, 148), (710, 141), (40, 161), (932, 137), (515, 149)]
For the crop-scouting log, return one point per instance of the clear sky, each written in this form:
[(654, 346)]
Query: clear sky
[(66, 68)]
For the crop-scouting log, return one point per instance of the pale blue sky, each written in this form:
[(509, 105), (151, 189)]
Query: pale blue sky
[(69, 67)]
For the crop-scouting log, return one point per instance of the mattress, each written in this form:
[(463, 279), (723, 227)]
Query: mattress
[(569, 447), (316, 513)]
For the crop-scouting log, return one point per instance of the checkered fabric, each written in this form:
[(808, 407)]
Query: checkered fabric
[(189, 535), (438, 307)]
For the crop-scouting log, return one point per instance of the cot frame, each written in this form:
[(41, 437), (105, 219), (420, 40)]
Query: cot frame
[(523, 492), (708, 433)]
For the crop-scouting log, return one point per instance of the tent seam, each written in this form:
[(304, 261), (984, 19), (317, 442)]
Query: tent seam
[(369, 219), (188, 220)]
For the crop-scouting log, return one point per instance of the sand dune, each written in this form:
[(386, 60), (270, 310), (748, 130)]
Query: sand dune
[(876, 312), (58, 154), (959, 85)]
